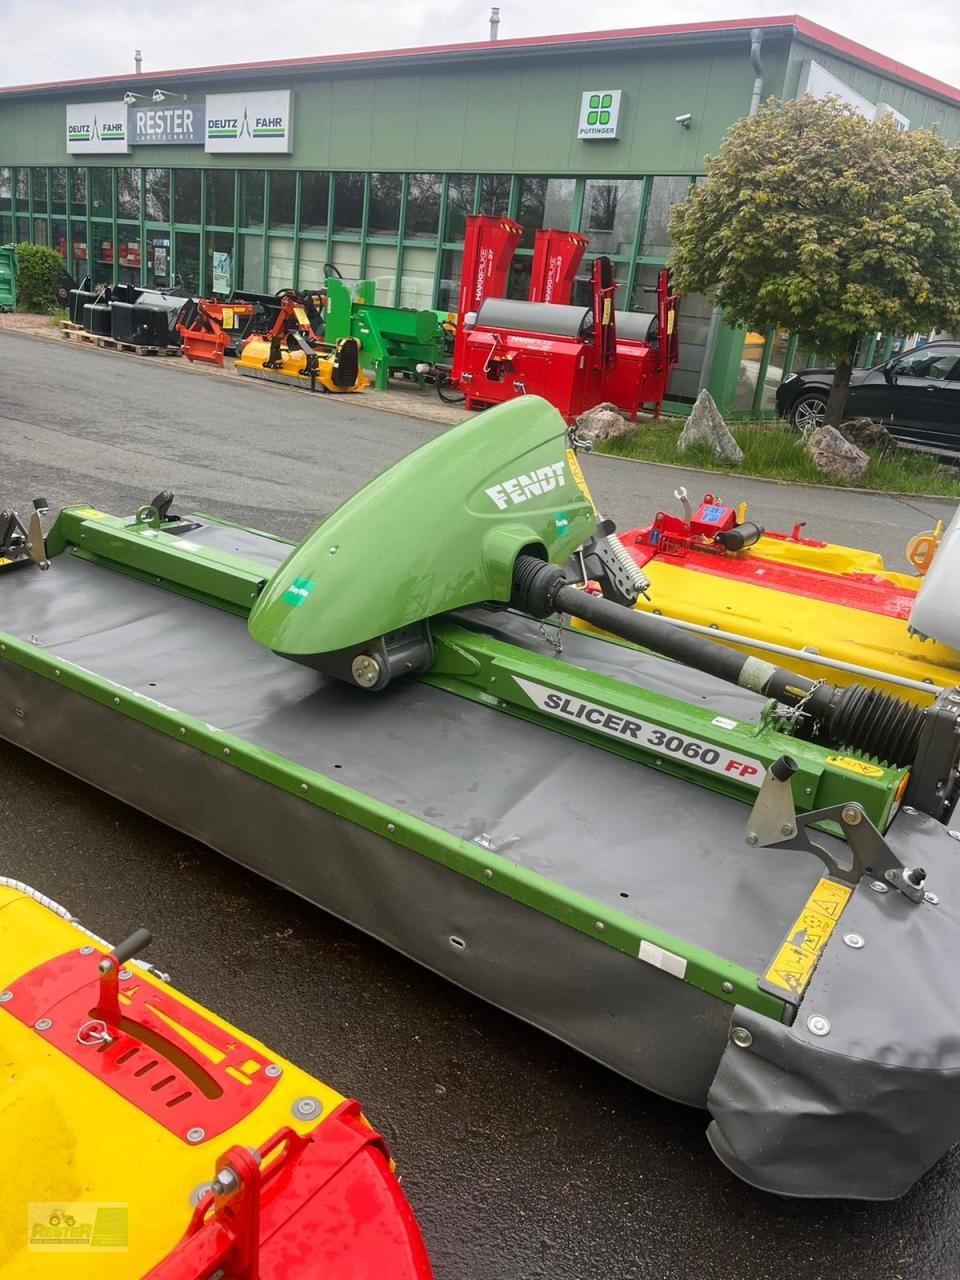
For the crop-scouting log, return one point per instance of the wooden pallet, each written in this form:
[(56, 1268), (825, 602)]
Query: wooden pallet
[(71, 327), (79, 334)]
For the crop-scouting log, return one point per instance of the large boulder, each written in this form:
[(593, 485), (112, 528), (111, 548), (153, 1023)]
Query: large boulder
[(834, 455), (870, 436), (602, 422), (706, 426)]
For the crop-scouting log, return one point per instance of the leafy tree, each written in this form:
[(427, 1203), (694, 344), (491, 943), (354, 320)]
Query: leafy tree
[(38, 272), (817, 220)]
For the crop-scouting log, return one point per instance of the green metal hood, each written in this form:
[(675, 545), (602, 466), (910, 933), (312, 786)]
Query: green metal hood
[(439, 530)]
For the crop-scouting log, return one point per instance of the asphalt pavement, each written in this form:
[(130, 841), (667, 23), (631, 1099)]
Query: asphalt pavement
[(521, 1157)]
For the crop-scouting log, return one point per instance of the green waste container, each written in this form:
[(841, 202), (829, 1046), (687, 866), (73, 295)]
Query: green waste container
[(8, 277)]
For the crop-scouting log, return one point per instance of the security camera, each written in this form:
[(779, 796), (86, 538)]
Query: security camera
[(684, 120)]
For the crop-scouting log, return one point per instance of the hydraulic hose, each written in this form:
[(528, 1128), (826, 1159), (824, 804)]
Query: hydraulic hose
[(857, 718)]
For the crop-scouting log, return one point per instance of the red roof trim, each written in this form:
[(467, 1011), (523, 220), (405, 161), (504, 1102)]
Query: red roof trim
[(802, 26), (876, 61)]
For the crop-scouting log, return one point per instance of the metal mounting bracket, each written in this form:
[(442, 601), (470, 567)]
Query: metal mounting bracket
[(775, 824), (19, 541)]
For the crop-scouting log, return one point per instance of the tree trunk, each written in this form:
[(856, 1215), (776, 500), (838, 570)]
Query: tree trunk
[(837, 398)]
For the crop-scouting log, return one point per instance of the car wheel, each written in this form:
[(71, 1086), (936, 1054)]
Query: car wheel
[(808, 411)]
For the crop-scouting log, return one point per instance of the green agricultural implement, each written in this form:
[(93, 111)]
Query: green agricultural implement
[(733, 885), (8, 277), (392, 339)]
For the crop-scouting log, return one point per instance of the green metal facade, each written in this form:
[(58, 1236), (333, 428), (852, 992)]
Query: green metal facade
[(388, 160)]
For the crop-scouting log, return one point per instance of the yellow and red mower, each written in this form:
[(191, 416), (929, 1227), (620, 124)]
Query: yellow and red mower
[(154, 1139), (836, 612)]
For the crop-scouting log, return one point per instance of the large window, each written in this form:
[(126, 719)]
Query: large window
[(101, 190), (423, 206), (251, 199), (159, 265), (558, 203), (218, 272), (460, 190), (128, 256), (494, 193), (78, 193), (280, 263), (611, 207), (448, 288), (6, 206), (186, 204), (156, 195), (381, 268), (348, 203), (102, 264), (220, 186), (188, 261), (283, 193), (38, 185), (128, 193), (314, 201), (416, 280), (530, 208), (58, 191), (664, 194), (79, 260), (383, 218), (251, 257)]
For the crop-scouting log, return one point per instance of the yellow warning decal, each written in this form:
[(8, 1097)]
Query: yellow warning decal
[(670, 319), (795, 961), (3, 560), (862, 767), (301, 316), (227, 317), (89, 513), (577, 474)]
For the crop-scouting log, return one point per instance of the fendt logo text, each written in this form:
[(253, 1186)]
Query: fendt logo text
[(523, 487)]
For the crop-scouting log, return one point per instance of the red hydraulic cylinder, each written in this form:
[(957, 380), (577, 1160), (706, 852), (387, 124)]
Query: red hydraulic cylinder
[(556, 258)]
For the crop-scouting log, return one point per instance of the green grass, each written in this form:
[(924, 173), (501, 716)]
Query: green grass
[(772, 451), (57, 314)]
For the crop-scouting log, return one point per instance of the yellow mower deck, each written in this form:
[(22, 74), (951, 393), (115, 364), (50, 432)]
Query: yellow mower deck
[(73, 1145), (827, 629)]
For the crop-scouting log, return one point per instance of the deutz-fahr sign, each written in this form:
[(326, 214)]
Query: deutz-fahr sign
[(95, 128), (250, 122)]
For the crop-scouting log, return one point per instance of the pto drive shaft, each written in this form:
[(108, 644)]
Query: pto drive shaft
[(856, 718)]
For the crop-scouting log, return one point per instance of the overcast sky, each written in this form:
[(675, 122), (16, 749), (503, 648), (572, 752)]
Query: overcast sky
[(65, 39)]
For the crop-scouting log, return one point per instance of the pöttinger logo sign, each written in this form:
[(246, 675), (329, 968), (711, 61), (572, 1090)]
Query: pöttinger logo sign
[(600, 113)]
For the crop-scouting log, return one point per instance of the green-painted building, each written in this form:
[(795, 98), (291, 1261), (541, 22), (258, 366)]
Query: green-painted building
[(254, 176)]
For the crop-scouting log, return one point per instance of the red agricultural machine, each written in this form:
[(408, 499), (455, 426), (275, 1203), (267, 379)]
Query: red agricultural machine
[(573, 356)]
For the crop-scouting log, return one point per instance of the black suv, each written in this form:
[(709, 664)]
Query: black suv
[(916, 395)]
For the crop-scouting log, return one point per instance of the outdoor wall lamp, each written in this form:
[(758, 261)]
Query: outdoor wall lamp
[(158, 95)]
